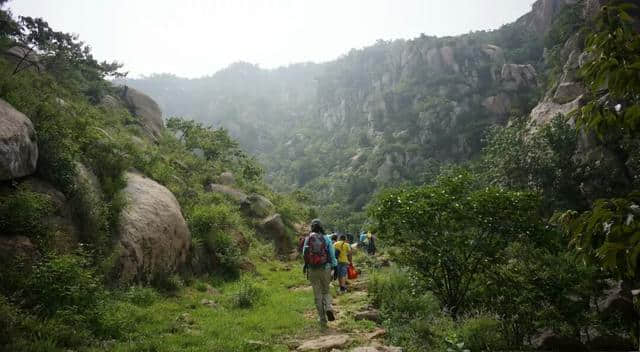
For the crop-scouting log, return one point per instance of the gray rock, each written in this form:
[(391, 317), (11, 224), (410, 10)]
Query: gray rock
[(257, 206), (550, 341), (23, 58), (617, 301), (17, 248), (273, 229), (325, 343), (18, 147), (146, 109), (227, 179), (62, 221), (498, 105), (547, 109), (234, 194), (515, 77), (568, 91), (153, 236), (371, 315)]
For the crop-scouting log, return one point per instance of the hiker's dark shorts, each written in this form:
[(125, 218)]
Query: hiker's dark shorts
[(342, 269)]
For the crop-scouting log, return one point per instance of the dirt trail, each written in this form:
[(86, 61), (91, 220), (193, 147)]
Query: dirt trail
[(356, 328)]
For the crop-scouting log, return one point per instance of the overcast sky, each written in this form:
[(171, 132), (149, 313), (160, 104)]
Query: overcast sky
[(193, 38)]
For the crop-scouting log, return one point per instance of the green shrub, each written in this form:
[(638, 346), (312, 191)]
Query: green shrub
[(482, 333), (64, 283), (21, 213), (141, 296), (200, 286), (167, 283), (248, 294), (411, 315), (9, 321), (210, 225)]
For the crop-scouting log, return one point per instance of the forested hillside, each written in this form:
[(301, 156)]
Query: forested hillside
[(499, 171), (388, 114)]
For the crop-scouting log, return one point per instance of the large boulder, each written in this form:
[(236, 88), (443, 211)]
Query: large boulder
[(18, 147), (154, 239), (23, 58), (257, 206), (274, 229), (146, 109), (234, 194), (568, 91)]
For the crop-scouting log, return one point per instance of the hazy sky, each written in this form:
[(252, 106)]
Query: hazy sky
[(193, 38)]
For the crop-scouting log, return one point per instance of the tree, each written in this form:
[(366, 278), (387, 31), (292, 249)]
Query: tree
[(609, 233), (613, 74), (450, 232)]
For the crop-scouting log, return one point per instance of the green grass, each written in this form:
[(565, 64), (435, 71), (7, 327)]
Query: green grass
[(275, 320)]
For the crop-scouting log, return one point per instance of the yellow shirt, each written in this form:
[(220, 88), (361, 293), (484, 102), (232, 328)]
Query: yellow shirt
[(344, 249)]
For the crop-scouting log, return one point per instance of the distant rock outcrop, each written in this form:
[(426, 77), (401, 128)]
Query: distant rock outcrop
[(257, 206), (234, 194), (145, 108), (18, 147), (154, 239), (515, 77), (23, 58), (274, 229)]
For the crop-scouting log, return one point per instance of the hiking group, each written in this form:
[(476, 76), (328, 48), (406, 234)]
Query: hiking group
[(327, 258)]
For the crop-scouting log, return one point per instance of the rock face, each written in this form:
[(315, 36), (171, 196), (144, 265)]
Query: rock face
[(617, 301), (273, 228), (17, 247), (235, 194), (61, 222), (498, 105), (550, 341), (146, 109), (18, 147), (257, 206), (547, 109), (23, 58), (227, 179), (515, 76), (153, 236)]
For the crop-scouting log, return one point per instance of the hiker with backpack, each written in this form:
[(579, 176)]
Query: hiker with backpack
[(343, 253), (320, 261)]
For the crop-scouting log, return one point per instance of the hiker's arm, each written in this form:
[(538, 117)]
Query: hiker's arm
[(349, 256), (332, 254), (304, 246)]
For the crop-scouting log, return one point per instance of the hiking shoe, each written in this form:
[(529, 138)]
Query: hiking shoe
[(330, 315)]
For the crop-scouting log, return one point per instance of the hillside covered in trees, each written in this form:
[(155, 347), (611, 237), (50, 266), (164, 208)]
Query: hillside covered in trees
[(393, 113), (499, 169)]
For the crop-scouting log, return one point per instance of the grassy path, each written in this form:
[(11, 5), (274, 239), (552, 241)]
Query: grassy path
[(204, 316)]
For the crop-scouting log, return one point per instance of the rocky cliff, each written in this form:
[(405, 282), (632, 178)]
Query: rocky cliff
[(392, 112)]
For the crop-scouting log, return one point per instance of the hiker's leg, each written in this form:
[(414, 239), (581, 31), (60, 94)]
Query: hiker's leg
[(325, 279), (316, 278)]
